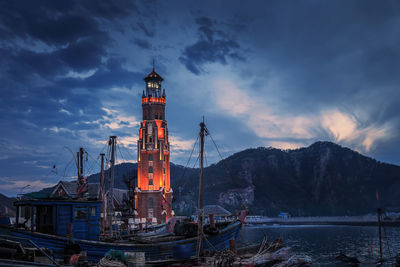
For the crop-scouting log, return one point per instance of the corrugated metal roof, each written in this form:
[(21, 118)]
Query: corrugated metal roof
[(93, 189)]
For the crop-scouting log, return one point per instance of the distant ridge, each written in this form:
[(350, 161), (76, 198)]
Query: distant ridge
[(324, 179), (6, 206)]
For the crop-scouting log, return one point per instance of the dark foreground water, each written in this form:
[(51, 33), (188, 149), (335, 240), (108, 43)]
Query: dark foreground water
[(323, 243)]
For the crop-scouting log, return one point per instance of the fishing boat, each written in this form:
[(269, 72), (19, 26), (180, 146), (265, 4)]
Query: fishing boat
[(154, 250), (68, 226)]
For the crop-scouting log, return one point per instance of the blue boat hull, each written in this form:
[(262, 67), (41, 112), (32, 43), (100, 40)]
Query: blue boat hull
[(154, 251)]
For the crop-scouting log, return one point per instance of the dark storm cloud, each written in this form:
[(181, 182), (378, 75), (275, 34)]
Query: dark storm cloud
[(105, 77), (213, 46), (58, 22), (70, 28), (326, 55), (142, 43), (75, 43), (47, 47), (145, 29), (110, 10), (69, 72), (80, 55), (84, 54)]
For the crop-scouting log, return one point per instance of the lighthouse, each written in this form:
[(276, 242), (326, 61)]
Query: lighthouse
[(153, 194)]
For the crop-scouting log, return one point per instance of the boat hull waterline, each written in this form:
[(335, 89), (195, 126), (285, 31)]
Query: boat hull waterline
[(153, 251)]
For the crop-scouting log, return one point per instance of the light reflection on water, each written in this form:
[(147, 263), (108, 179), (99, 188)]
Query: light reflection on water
[(323, 243)]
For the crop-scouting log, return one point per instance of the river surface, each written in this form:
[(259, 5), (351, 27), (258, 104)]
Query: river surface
[(323, 243)]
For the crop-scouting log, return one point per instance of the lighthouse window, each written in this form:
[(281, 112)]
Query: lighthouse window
[(150, 169), (150, 203), (150, 157), (164, 170), (150, 181)]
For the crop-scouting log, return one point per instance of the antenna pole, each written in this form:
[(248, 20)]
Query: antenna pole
[(81, 180), (77, 165), (112, 142), (201, 212), (81, 161)]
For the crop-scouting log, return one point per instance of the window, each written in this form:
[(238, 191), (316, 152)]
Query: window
[(150, 203), (164, 170), (160, 117), (151, 139), (151, 157), (150, 169), (150, 181), (156, 116), (80, 213), (92, 211)]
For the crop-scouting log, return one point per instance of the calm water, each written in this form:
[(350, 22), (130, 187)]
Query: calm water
[(323, 243)]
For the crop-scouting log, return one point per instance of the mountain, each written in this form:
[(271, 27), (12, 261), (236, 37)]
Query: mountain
[(6, 206), (323, 179)]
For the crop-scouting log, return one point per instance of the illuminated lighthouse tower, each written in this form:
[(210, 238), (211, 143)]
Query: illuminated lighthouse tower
[(153, 195)]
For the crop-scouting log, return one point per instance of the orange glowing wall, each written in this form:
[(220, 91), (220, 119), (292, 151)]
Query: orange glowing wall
[(160, 131), (159, 178), (153, 99)]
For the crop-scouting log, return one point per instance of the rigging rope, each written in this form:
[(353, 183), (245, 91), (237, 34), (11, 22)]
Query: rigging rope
[(88, 170), (121, 154), (127, 152), (73, 155), (65, 169), (194, 165), (190, 157), (205, 157), (222, 160)]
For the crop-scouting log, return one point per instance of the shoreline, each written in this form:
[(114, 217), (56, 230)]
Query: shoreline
[(334, 221)]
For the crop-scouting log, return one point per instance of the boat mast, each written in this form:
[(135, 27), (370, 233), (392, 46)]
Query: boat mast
[(201, 212), (102, 189), (81, 161), (112, 143), (81, 179)]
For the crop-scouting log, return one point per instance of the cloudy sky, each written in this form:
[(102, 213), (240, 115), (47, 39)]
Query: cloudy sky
[(266, 73)]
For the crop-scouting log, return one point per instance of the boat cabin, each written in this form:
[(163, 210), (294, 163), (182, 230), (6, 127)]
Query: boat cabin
[(75, 218)]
